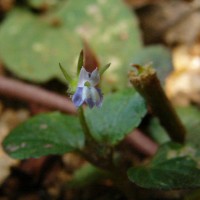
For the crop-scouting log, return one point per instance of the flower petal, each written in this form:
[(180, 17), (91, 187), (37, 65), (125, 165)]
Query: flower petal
[(78, 97), (94, 78), (92, 96), (99, 103), (87, 96), (90, 102), (86, 93), (83, 77)]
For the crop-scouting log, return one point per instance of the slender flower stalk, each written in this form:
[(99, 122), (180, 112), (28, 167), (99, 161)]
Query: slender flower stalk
[(84, 124)]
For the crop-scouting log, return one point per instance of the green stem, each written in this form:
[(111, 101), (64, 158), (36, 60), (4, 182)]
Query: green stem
[(83, 122), (93, 153), (96, 153), (148, 85)]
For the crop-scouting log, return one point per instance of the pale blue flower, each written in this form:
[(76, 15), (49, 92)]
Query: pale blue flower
[(86, 90)]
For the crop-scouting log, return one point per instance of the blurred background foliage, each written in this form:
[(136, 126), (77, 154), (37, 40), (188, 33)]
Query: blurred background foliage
[(33, 45), (37, 36)]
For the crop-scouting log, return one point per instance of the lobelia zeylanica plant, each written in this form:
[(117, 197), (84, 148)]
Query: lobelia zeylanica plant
[(100, 126)]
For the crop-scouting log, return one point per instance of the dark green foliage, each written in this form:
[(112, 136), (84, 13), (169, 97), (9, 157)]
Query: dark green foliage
[(45, 134), (158, 56), (173, 167), (33, 45), (120, 114)]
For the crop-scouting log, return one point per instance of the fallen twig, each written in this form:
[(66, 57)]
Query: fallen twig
[(27, 92)]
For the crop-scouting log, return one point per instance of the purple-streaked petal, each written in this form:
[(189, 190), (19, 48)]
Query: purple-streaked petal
[(99, 103), (92, 96), (90, 102), (83, 77), (77, 97), (87, 96)]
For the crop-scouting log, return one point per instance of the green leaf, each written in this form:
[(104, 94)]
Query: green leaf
[(120, 114), (52, 133), (160, 58), (86, 175), (190, 116), (157, 132), (174, 167), (33, 45)]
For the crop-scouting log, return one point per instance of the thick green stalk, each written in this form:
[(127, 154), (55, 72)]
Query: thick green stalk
[(148, 85)]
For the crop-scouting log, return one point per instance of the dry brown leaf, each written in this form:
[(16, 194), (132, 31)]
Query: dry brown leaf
[(8, 119), (183, 85), (170, 21), (6, 5), (139, 3)]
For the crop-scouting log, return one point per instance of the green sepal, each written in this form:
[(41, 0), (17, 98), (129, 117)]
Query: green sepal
[(80, 62), (66, 75), (71, 82), (73, 86), (103, 69)]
